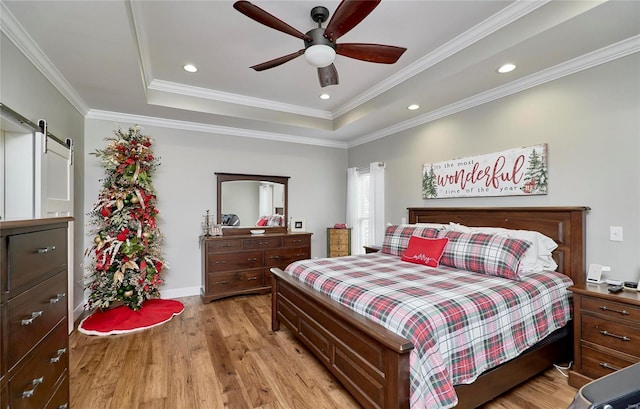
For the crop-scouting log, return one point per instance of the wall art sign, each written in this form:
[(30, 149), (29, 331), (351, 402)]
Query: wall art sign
[(520, 171)]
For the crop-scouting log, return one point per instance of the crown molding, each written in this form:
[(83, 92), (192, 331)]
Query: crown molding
[(489, 26), (23, 41), (610, 53), (136, 22), (206, 93), (208, 128)]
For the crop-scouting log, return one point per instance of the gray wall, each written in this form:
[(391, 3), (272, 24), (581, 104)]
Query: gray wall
[(591, 123), (26, 91), (186, 187)]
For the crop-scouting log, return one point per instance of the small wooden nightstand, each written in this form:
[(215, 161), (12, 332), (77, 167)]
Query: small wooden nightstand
[(606, 332), (372, 249), (338, 242)]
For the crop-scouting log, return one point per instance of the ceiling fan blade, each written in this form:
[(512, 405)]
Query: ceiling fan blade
[(383, 54), (328, 75), (256, 13), (277, 61), (348, 15)]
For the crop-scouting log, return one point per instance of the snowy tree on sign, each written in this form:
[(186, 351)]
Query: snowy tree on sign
[(429, 185), (536, 174), (126, 262)]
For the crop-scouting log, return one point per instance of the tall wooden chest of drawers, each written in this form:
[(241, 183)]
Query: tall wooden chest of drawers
[(606, 332), (338, 242), (34, 314), (233, 265)]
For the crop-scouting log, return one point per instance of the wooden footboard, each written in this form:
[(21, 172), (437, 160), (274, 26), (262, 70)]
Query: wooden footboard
[(370, 361)]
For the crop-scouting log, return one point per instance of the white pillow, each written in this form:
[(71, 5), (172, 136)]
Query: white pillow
[(536, 259), (439, 226)]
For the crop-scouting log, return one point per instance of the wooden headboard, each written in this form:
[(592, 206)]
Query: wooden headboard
[(565, 225)]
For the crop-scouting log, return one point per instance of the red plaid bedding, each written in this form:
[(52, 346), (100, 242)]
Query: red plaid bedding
[(460, 323)]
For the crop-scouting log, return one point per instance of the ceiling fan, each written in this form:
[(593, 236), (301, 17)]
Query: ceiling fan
[(320, 47)]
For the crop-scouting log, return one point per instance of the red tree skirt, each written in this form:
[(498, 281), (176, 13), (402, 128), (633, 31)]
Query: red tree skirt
[(123, 320)]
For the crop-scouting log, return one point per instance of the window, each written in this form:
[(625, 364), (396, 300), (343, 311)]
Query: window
[(363, 209), (365, 206)]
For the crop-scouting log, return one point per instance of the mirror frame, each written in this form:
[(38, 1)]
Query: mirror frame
[(229, 177)]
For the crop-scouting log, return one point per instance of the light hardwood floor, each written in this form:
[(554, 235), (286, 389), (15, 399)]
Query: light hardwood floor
[(223, 355)]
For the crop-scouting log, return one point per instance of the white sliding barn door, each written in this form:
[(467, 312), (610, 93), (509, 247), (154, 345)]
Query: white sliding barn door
[(53, 166), (54, 176)]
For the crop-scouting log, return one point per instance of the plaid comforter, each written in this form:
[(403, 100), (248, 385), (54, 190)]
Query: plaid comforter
[(460, 323)]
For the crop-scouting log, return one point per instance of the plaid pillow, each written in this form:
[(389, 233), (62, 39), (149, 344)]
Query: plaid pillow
[(490, 254), (396, 237)]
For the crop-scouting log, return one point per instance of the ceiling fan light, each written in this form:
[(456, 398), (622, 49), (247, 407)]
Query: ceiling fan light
[(320, 55)]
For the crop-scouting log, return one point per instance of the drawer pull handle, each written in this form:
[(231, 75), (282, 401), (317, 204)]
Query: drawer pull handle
[(221, 282), (608, 366), (43, 250), (35, 383), (58, 298), (297, 241), (57, 357), (262, 243), (225, 245), (34, 315), (620, 337), (605, 308), (301, 255), (252, 259), (274, 257), (252, 278), (221, 261)]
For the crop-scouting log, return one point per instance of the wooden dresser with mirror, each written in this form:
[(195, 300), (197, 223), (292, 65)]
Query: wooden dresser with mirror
[(238, 261)]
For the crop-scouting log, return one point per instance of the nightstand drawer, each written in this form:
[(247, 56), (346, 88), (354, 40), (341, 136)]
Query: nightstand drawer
[(618, 337), (596, 363), (611, 308)]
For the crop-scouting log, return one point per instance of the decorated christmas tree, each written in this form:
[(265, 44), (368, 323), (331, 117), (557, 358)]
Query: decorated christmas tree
[(126, 262)]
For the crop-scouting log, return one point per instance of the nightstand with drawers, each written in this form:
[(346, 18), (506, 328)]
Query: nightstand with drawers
[(606, 332), (338, 242)]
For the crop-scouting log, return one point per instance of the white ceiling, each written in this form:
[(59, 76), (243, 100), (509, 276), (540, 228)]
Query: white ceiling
[(124, 59)]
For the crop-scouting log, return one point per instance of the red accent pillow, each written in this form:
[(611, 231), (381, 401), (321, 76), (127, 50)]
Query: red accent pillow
[(262, 222), (423, 250)]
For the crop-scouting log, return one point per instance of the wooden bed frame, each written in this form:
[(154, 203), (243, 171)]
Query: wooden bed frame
[(373, 363)]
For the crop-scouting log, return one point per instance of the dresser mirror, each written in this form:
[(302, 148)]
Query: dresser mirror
[(251, 202)]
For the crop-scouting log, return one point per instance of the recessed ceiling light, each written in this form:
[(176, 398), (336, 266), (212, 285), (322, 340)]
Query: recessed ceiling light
[(506, 68), (325, 96), (190, 68), (413, 107)]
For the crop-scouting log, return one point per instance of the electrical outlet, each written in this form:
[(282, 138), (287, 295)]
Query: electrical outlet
[(615, 233)]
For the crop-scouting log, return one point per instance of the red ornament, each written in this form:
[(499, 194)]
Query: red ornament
[(105, 211)]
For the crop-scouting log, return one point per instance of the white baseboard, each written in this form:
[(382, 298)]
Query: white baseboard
[(180, 292)]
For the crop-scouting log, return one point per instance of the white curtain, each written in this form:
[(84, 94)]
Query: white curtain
[(376, 203), (266, 199), (352, 221)]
